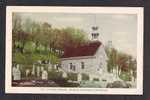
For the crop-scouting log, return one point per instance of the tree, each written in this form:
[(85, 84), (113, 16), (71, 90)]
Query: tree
[(16, 28), (112, 55), (120, 61), (16, 23), (74, 37), (31, 37), (45, 34)]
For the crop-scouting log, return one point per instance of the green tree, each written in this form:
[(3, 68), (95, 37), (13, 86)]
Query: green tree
[(16, 28), (112, 59), (74, 37)]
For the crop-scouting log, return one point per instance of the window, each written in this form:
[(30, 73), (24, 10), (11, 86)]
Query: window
[(71, 66), (95, 35), (74, 68), (100, 65), (82, 65)]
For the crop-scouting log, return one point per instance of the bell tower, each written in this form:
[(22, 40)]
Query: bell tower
[(95, 33)]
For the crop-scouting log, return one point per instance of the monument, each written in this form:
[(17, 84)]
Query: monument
[(16, 73)]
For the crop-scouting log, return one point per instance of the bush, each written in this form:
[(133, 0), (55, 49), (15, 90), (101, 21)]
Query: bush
[(25, 59), (118, 84), (53, 58), (29, 47), (23, 69), (95, 79), (31, 58), (125, 76), (18, 58), (72, 76), (85, 77), (54, 75)]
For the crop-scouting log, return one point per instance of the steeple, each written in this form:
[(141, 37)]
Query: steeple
[(95, 33)]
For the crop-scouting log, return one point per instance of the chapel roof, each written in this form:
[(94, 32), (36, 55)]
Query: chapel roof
[(88, 49)]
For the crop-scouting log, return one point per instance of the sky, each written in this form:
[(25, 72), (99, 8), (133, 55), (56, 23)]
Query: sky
[(121, 29)]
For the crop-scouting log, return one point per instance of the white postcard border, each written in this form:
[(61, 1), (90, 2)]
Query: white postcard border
[(56, 90)]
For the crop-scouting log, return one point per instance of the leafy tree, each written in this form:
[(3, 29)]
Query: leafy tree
[(122, 62), (16, 27), (112, 55), (74, 37), (16, 23), (40, 41)]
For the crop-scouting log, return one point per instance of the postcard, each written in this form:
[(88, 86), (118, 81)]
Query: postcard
[(74, 50)]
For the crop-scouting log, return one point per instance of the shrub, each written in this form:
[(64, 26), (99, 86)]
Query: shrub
[(18, 58), (53, 58), (31, 58), (54, 75), (118, 84), (26, 59), (72, 76), (85, 77), (29, 47), (95, 79), (125, 76), (23, 69)]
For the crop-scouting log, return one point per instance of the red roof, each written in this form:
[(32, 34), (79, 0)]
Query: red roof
[(84, 50)]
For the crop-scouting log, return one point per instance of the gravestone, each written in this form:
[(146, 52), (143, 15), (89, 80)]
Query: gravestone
[(132, 76), (90, 77), (49, 66), (42, 68), (33, 70), (64, 74), (39, 61), (38, 71), (44, 75), (16, 73), (27, 72), (13, 71), (79, 77), (55, 66)]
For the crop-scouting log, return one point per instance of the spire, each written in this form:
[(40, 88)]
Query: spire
[(95, 33)]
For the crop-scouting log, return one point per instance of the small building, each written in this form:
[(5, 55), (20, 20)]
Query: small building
[(90, 59)]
